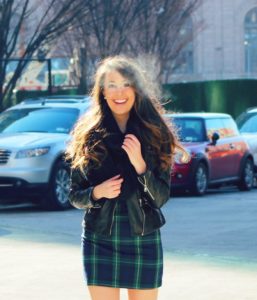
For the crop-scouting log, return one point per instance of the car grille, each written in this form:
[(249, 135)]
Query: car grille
[(4, 156)]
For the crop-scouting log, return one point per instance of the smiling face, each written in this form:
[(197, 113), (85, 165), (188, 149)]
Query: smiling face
[(119, 94)]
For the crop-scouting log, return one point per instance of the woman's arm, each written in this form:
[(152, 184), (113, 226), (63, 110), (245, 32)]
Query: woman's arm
[(80, 195), (155, 186)]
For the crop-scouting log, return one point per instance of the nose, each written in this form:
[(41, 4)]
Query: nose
[(120, 89)]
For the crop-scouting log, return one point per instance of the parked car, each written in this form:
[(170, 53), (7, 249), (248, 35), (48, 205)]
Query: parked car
[(218, 153), (247, 124), (33, 138)]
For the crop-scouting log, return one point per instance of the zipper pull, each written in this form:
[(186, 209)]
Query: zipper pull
[(146, 189)]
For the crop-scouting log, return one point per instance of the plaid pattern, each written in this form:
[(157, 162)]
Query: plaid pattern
[(123, 260)]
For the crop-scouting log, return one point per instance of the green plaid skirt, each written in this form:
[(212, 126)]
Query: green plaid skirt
[(123, 260)]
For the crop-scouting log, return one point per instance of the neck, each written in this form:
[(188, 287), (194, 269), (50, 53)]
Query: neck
[(122, 121)]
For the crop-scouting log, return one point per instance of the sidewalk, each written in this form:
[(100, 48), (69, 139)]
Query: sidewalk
[(45, 271)]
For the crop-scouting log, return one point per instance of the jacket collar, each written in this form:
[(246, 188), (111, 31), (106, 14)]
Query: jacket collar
[(111, 126), (114, 137)]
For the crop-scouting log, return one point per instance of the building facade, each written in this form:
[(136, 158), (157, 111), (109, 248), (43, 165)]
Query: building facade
[(224, 46)]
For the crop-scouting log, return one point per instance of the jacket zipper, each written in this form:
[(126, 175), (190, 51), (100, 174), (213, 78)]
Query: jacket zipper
[(141, 206), (113, 218), (146, 189)]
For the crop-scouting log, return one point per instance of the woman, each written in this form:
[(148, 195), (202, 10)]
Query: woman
[(121, 155)]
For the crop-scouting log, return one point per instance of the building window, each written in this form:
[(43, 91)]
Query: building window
[(250, 41), (183, 63)]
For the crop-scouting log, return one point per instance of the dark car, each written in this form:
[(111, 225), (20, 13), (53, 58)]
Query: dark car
[(218, 153), (247, 124)]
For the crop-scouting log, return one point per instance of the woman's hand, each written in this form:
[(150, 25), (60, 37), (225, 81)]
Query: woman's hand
[(110, 188), (132, 147)]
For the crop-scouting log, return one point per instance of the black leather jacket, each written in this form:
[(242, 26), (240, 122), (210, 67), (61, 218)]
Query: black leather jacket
[(152, 191), (144, 194)]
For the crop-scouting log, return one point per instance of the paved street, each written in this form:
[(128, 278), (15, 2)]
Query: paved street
[(210, 247)]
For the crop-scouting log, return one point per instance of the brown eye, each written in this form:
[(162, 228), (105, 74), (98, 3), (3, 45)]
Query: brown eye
[(111, 86), (127, 84)]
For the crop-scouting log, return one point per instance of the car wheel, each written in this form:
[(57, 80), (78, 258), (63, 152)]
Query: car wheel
[(247, 176), (57, 196), (200, 180), (255, 181)]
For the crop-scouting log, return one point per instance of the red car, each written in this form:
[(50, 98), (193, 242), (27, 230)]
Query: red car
[(218, 153)]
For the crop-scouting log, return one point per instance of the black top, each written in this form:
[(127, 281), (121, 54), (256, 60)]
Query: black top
[(117, 160)]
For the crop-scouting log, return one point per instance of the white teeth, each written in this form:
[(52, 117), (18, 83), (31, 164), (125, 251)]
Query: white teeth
[(119, 101)]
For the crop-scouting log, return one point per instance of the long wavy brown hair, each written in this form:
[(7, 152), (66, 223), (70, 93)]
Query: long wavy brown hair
[(155, 131)]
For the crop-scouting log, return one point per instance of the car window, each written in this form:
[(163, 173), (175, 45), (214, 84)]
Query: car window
[(214, 125), (248, 123), (189, 129), (225, 127), (51, 120), (230, 127)]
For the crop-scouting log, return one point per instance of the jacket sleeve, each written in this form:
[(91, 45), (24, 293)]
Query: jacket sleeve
[(155, 186), (80, 195)]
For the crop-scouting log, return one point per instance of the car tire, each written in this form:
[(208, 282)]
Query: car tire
[(247, 176), (200, 180), (255, 181), (57, 196)]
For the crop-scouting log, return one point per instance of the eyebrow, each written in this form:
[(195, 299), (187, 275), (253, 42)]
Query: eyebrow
[(123, 80)]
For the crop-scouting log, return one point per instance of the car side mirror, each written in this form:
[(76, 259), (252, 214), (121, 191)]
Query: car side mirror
[(214, 138)]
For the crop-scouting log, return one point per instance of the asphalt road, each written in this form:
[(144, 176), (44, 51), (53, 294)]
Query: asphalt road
[(221, 226), (204, 239)]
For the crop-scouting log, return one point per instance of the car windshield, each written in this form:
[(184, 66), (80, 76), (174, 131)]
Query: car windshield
[(51, 120), (190, 129), (247, 122)]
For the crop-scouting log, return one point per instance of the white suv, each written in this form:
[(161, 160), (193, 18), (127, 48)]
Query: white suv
[(247, 124), (33, 138)]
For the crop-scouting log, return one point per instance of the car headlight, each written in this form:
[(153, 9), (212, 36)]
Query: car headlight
[(182, 157), (32, 152)]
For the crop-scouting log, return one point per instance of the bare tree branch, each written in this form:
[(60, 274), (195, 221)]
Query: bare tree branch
[(151, 28), (106, 29), (47, 23), (158, 32)]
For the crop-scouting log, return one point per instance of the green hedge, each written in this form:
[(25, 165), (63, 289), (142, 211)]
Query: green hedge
[(229, 96)]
